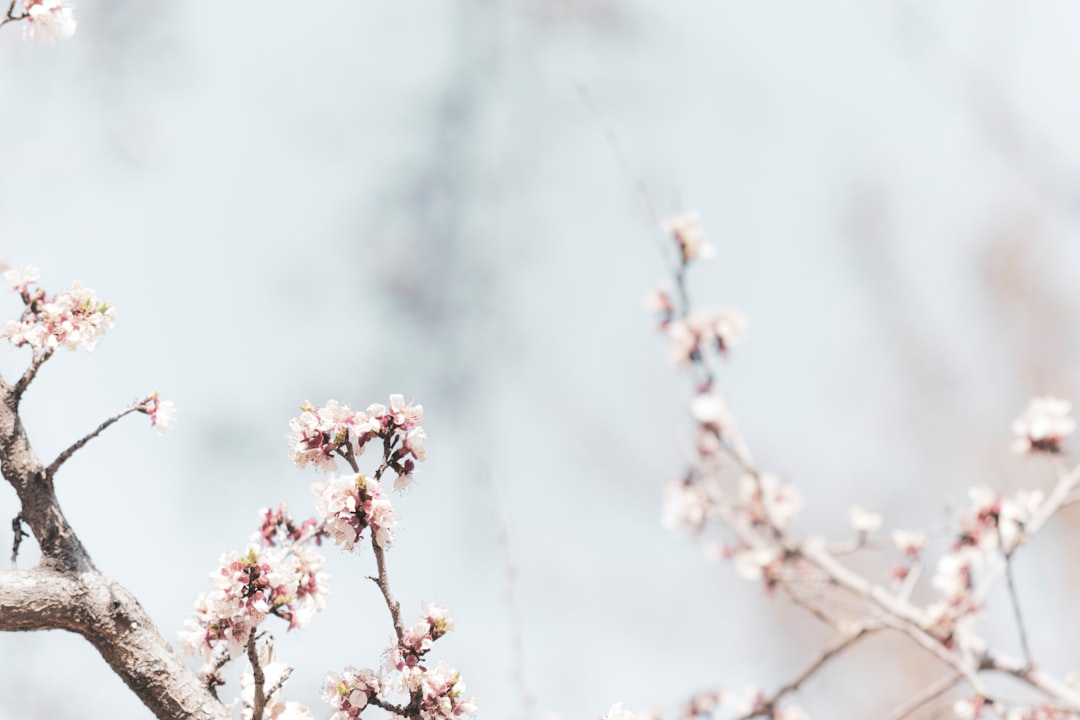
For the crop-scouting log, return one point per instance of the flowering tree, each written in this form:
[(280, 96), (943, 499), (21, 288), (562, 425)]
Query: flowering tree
[(744, 514), (278, 574), (740, 512)]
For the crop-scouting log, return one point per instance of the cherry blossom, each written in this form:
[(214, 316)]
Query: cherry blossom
[(1044, 424), (768, 501), (74, 318), (350, 503), (719, 329), (248, 588), (863, 520), (350, 692), (441, 695), (162, 412), (617, 712), (909, 542), (686, 229), (659, 301), (685, 504), (48, 21)]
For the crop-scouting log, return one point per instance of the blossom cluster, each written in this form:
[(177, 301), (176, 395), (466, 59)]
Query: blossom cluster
[(319, 434), (724, 489), (246, 589), (351, 503), (74, 318), (278, 526), (436, 693), (47, 21), (416, 641)]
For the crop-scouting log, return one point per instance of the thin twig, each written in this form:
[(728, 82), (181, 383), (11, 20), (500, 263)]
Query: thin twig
[(383, 582), (768, 704), (927, 695), (1014, 596), (62, 457), (31, 371), (510, 567)]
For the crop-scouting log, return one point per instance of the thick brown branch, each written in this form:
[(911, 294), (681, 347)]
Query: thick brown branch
[(107, 615), (60, 547)]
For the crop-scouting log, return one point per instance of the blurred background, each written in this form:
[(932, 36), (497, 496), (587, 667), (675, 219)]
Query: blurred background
[(346, 200)]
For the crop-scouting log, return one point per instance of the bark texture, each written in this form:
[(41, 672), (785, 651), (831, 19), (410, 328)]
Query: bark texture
[(66, 592)]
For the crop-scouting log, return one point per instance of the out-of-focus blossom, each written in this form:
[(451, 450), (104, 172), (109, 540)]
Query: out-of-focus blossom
[(658, 301), (21, 278), (1043, 426), (719, 329), (954, 572), (711, 411), (909, 542), (685, 505), (48, 21), (757, 564), (686, 229), (618, 712), (863, 520), (769, 500)]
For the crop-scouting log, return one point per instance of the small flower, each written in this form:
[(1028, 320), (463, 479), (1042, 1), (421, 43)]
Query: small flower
[(710, 410), (1043, 426), (767, 500), (21, 279), (684, 505), (162, 412), (48, 21), (863, 520), (617, 712), (658, 301), (689, 236), (909, 542)]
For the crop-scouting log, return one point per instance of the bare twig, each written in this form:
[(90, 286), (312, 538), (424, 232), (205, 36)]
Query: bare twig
[(1014, 596), (768, 704), (925, 696), (511, 570), (50, 471)]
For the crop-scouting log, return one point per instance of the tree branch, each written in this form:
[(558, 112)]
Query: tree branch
[(107, 615), (62, 457)]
